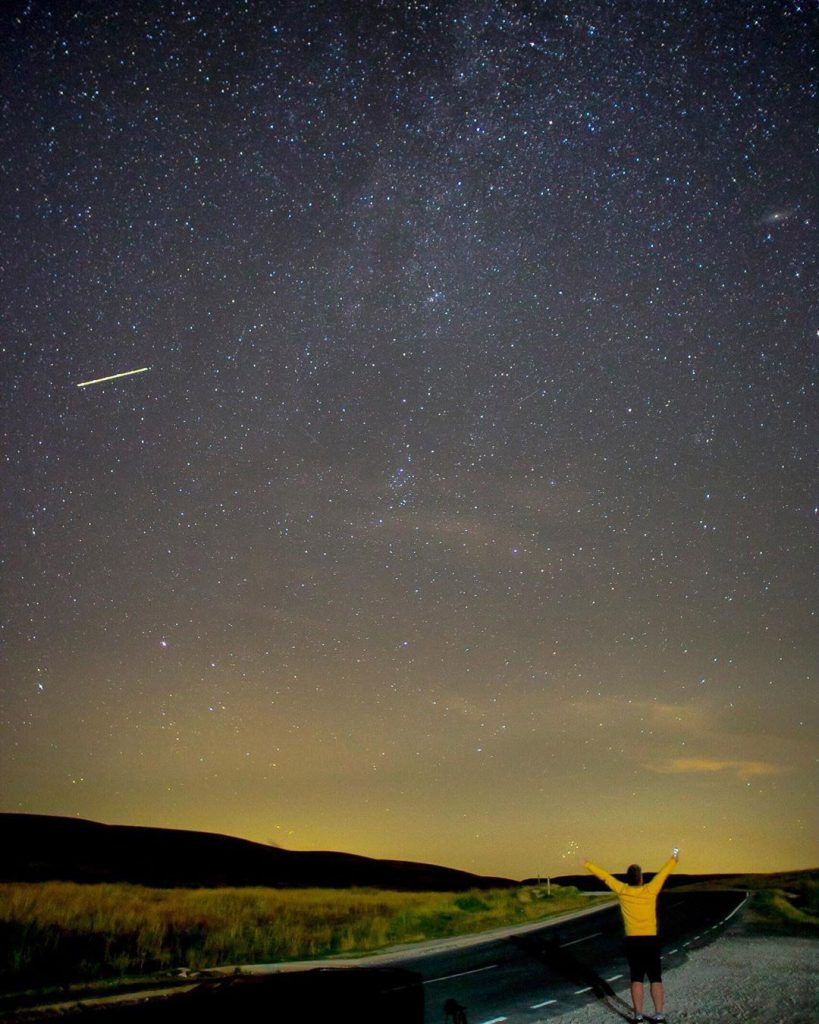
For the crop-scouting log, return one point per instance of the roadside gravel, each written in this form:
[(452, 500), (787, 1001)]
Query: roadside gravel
[(738, 979)]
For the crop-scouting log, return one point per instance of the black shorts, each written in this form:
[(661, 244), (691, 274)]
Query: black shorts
[(643, 954)]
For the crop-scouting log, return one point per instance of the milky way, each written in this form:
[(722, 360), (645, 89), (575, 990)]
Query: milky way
[(466, 512)]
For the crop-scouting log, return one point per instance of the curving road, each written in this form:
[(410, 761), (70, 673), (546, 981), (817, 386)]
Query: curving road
[(529, 977), (521, 975)]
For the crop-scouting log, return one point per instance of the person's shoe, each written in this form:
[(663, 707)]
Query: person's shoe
[(660, 1018), (637, 1017)]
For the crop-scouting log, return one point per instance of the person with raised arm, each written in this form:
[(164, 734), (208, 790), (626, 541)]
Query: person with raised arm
[(638, 906)]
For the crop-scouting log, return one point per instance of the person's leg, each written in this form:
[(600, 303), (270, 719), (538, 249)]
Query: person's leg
[(655, 976), (635, 953)]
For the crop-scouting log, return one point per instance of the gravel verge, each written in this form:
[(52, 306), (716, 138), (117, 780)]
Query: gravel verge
[(737, 979)]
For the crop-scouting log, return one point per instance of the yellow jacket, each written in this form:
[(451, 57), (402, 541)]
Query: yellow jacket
[(638, 903)]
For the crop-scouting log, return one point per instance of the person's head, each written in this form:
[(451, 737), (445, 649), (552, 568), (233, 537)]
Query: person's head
[(634, 875)]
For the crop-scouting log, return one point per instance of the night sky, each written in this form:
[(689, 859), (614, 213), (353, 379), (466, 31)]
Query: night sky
[(466, 510)]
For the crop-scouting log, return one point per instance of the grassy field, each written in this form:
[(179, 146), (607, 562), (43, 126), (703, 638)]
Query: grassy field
[(784, 912), (60, 933), (786, 903)]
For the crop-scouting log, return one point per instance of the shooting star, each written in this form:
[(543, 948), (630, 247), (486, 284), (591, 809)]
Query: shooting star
[(526, 398), (114, 376)]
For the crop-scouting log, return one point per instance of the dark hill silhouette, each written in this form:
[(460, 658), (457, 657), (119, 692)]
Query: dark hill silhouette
[(679, 880), (588, 882), (39, 847)]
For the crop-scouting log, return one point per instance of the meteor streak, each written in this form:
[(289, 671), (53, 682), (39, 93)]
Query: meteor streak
[(114, 376)]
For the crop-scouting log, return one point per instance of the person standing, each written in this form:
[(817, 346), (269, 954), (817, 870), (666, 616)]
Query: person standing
[(638, 906)]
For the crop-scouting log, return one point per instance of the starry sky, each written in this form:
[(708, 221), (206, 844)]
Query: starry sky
[(465, 512)]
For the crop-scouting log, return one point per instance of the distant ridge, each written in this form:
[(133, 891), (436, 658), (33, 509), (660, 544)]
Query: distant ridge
[(679, 880), (39, 847)]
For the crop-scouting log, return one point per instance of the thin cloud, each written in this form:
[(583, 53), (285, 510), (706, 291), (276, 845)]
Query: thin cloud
[(744, 770)]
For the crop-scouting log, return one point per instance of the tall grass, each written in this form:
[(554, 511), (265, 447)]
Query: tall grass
[(62, 932), (782, 903), (794, 911)]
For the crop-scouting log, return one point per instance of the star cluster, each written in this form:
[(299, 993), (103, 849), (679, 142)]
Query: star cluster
[(467, 503)]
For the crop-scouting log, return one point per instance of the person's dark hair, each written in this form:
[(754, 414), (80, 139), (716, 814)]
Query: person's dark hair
[(634, 875)]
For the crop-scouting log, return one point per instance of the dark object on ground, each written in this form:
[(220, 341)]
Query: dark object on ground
[(365, 995), (455, 1012), (39, 848)]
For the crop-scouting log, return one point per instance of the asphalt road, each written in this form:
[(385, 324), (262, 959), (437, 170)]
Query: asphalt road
[(545, 972), (521, 976)]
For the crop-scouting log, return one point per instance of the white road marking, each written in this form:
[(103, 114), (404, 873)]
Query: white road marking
[(476, 970), (495, 1020), (574, 942), (537, 1006), (616, 977), (672, 951), (580, 991), (738, 907)]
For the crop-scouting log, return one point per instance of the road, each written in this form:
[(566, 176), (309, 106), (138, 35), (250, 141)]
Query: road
[(521, 976), (527, 978)]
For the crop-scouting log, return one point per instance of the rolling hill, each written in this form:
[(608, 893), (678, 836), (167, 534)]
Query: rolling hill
[(48, 848)]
